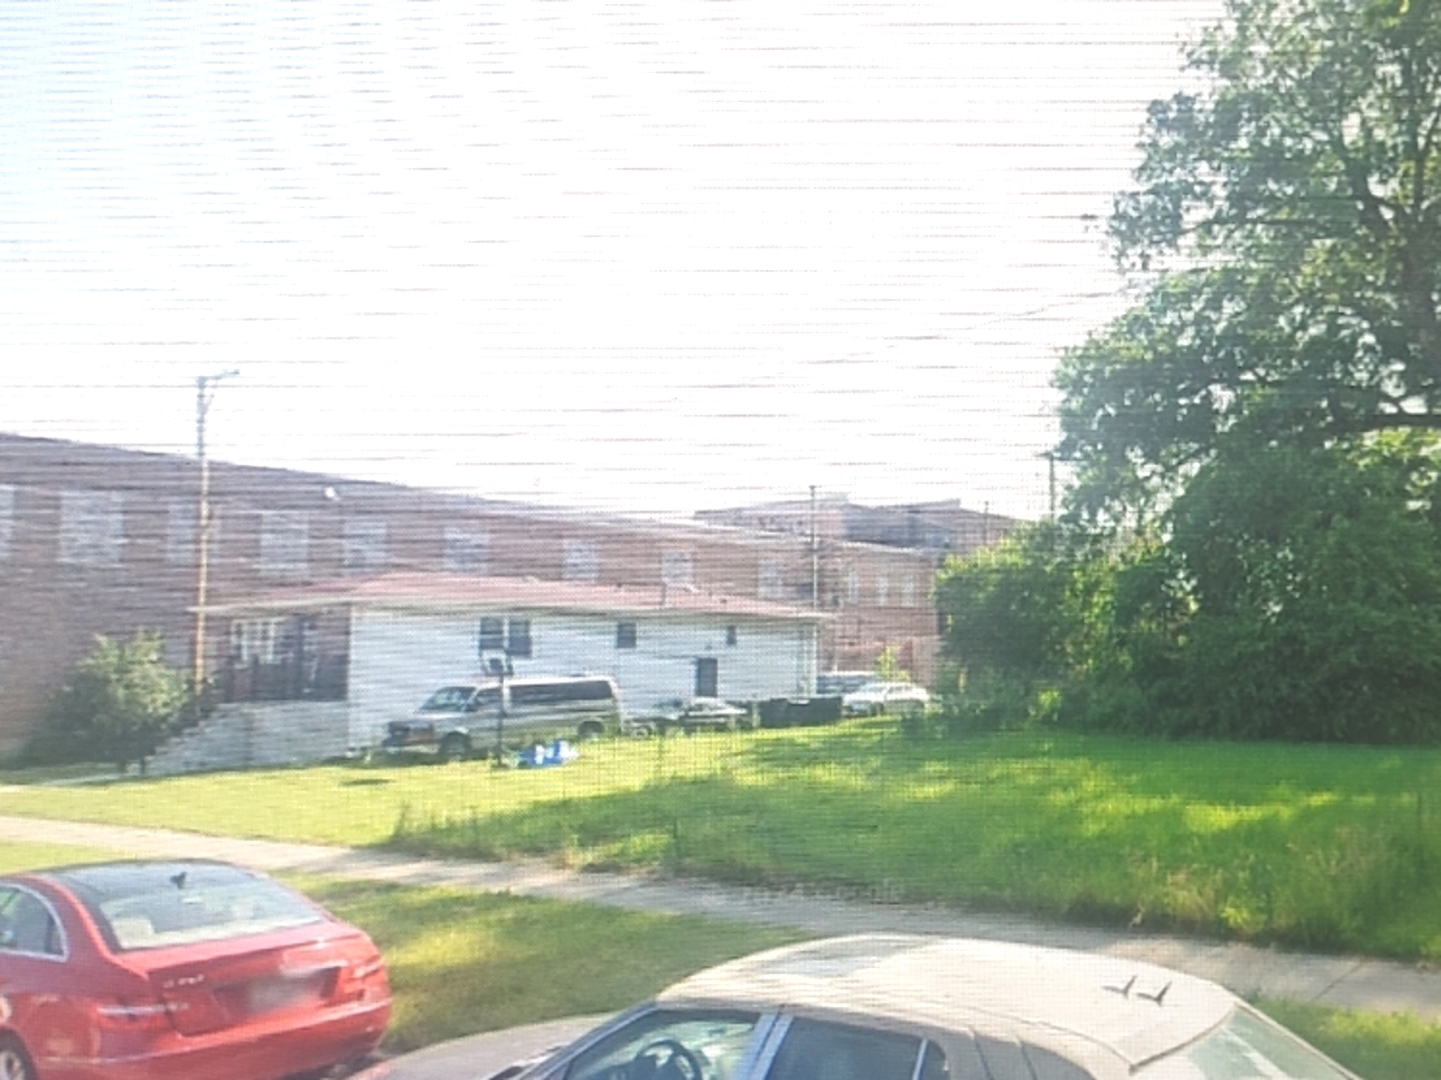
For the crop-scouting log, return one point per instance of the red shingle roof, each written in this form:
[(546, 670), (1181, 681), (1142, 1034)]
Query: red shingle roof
[(451, 592)]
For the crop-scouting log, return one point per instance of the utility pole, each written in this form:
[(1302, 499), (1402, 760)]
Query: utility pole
[(815, 557), (204, 394)]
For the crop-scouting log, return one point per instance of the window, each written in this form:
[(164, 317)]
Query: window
[(671, 1042), (816, 1050), (677, 569), (492, 634), (28, 925), (182, 533), (145, 909), (1246, 1047), (625, 635), (363, 546), (561, 692), (730, 635), (284, 543), (466, 551), (255, 640), (908, 591), (518, 638), (883, 590), (772, 580), (510, 636), (92, 527), (582, 562), (853, 587)]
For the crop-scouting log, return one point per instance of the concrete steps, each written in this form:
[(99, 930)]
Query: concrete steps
[(260, 734)]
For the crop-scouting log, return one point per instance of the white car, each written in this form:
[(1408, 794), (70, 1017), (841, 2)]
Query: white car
[(901, 1007), (878, 697)]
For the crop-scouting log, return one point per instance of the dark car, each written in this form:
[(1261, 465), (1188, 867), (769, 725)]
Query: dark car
[(178, 971), (689, 715)]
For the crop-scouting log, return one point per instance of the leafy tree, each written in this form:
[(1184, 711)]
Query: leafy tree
[(119, 704), (1316, 578), (1291, 210), (1008, 623)]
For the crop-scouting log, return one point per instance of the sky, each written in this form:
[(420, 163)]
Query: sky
[(645, 257)]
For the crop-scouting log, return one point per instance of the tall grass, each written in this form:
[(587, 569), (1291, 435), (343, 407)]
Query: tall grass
[(1335, 848)]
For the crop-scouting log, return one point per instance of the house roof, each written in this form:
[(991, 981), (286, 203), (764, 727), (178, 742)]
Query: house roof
[(454, 592)]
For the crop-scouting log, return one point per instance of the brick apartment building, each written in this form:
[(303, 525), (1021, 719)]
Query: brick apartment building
[(101, 540)]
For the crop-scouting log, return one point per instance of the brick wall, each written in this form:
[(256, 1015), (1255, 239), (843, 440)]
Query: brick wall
[(99, 540)]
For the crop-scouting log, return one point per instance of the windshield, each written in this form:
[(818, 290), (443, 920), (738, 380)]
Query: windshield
[(448, 699), (1246, 1047)]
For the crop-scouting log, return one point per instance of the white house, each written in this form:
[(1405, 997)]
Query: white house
[(375, 648)]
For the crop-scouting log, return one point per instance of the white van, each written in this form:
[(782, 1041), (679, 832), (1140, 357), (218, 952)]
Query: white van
[(465, 718)]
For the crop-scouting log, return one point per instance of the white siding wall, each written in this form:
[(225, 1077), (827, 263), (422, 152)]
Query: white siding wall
[(397, 658)]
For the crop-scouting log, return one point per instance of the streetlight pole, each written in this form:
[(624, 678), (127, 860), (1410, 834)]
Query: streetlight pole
[(204, 394)]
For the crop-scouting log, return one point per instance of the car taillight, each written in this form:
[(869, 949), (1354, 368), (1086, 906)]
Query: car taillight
[(128, 1015), (363, 979)]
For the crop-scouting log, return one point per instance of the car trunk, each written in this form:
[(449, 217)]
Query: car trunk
[(213, 992)]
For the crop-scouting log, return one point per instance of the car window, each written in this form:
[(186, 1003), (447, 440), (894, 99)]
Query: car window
[(670, 1044), (449, 699), (28, 925), (199, 910), (816, 1050), (1006, 1059), (1246, 1047)]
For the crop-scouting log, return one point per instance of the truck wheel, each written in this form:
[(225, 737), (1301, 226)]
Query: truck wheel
[(589, 731), (454, 748)]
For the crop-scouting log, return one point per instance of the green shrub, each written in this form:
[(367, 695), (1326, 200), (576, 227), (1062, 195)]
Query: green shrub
[(119, 705)]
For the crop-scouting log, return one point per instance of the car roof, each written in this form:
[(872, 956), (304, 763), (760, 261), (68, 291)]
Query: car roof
[(103, 881), (1080, 1005)]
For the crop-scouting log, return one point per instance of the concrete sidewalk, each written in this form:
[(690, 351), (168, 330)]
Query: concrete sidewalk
[(1337, 981)]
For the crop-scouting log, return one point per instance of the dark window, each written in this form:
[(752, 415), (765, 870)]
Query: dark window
[(1005, 1060), (625, 635), (814, 1050), (541, 694), (511, 637), (1049, 1066), (492, 634), (730, 635), (934, 1067), (518, 643), (560, 693)]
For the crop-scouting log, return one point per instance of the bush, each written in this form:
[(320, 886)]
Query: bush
[(121, 702)]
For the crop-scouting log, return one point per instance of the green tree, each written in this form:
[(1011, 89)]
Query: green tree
[(119, 704), (1316, 578), (1288, 216), (1008, 624)]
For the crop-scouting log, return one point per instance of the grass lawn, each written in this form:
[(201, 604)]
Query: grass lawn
[(1335, 848)]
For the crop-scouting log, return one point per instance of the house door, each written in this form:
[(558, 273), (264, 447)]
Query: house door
[(707, 677)]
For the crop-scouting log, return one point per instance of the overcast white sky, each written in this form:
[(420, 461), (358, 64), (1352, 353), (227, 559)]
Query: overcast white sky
[(647, 256)]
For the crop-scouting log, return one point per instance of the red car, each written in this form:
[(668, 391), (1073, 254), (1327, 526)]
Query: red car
[(187, 970)]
